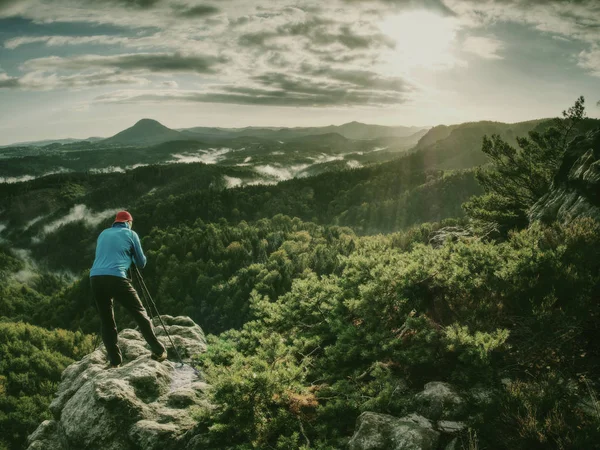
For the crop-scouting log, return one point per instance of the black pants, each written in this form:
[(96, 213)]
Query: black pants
[(105, 288)]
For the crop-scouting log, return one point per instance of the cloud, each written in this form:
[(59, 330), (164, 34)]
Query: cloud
[(45, 81), (23, 178), (285, 90), (590, 60), (484, 47), (316, 35), (324, 158), (281, 173), (210, 156), (256, 39), (8, 82), (57, 41), (81, 212), (300, 53), (109, 169), (116, 169), (578, 19), (5, 4), (433, 5), (33, 222), (362, 78), (149, 62), (194, 11), (141, 4), (20, 179), (55, 72), (232, 182)]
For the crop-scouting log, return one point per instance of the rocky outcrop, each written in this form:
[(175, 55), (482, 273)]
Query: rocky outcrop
[(428, 429), (439, 401), (382, 432), (575, 191), (143, 404)]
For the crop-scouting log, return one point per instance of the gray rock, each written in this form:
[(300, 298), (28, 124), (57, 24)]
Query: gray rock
[(419, 420), (439, 401), (383, 432), (449, 427), (46, 437), (188, 339), (575, 190), (151, 435), (452, 445), (143, 404)]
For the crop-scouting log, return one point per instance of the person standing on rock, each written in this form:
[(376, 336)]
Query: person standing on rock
[(117, 247)]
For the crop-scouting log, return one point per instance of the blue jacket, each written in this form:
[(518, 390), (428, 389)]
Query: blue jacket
[(116, 249)]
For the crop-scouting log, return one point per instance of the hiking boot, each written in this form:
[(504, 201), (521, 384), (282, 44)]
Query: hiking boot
[(112, 366), (159, 356)]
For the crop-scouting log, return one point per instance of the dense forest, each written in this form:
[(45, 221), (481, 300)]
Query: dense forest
[(330, 295)]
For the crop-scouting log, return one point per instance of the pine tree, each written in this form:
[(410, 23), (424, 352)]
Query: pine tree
[(518, 177)]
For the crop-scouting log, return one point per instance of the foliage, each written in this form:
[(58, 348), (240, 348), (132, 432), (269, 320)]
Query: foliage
[(382, 198), (389, 321), (263, 399), (517, 178), (316, 317), (31, 362)]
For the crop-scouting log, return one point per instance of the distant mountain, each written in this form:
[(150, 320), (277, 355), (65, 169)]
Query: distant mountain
[(357, 130), (145, 132), (326, 138), (459, 146), (435, 134), (352, 130), (51, 142), (403, 142)]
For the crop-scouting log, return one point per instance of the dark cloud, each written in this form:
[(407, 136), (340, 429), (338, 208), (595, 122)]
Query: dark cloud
[(319, 32), (138, 4), (264, 97), (7, 82), (362, 78), (283, 89), (4, 4), (323, 32), (152, 62), (130, 4), (434, 5), (350, 40), (195, 11), (305, 28), (339, 89), (353, 41), (256, 39), (95, 79), (42, 82)]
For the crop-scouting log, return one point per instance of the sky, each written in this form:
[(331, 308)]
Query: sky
[(93, 68)]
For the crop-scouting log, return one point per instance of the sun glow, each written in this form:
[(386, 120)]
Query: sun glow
[(420, 39)]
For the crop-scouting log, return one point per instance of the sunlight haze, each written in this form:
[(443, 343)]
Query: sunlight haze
[(81, 68)]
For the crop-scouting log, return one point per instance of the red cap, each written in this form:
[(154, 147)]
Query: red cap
[(123, 216)]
